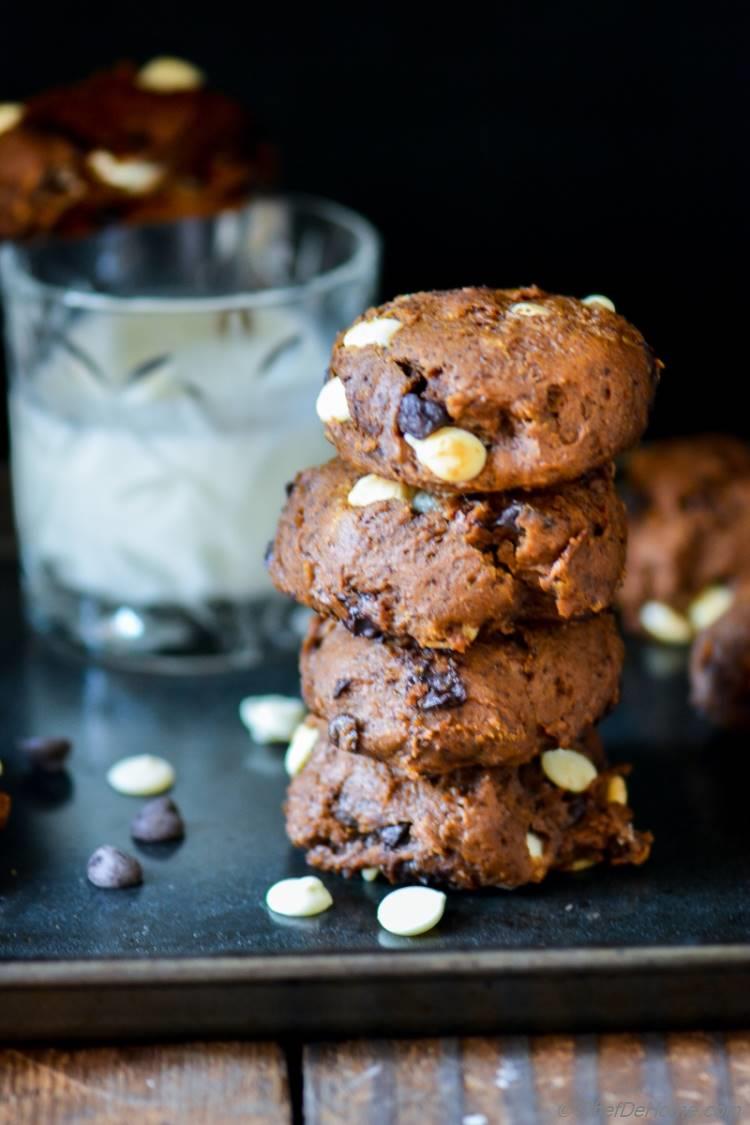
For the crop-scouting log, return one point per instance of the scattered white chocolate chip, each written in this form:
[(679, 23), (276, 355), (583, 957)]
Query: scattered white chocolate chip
[(528, 308), (125, 173), (568, 769), (331, 404), (711, 604), (599, 299), (299, 898), (581, 864), (617, 791), (271, 718), (450, 453), (300, 749), (423, 502), (410, 911), (143, 775), (10, 115), (370, 489), (166, 75), (379, 331), (370, 874), (665, 624), (535, 845), (470, 632)]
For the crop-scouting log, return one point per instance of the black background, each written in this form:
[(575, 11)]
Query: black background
[(586, 147)]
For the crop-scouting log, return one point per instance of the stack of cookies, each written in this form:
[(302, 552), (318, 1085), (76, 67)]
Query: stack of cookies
[(462, 553)]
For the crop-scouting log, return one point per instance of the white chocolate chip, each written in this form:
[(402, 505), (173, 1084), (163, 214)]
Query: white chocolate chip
[(410, 911), (143, 775), (300, 749), (711, 604), (470, 632), (379, 331), (528, 308), (617, 791), (370, 489), (665, 624), (568, 769), (331, 405), (166, 75), (423, 502), (599, 299), (10, 115), (125, 173), (370, 874), (271, 718), (581, 864), (450, 453), (299, 898), (535, 845)]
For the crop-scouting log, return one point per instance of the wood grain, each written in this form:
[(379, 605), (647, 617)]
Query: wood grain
[(583, 1080), (181, 1084)]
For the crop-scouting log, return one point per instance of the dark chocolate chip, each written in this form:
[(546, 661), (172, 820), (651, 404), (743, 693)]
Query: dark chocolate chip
[(268, 553), (112, 869), (289, 487), (577, 807), (48, 754), (157, 822), (394, 835), (343, 732), (444, 689), (420, 417), (505, 524), (361, 625), (340, 687)]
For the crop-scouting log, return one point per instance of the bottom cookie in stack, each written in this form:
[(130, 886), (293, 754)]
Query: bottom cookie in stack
[(473, 828)]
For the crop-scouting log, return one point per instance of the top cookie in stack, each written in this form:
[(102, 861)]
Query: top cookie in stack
[(485, 525), (487, 390)]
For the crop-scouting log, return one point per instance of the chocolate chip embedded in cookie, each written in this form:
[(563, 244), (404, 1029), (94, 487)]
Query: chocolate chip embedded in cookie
[(689, 541), (476, 828), (430, 712), (720, 667), (440, 569), (488, 389)]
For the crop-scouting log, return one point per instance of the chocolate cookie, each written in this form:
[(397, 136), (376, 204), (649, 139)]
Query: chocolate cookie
[(689, 521), (487, 389), (126, 145), (432, 712), (720, 667), (439, 569), (477, 828)]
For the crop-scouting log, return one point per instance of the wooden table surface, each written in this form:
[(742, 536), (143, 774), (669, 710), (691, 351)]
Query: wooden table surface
[(688, 1076)]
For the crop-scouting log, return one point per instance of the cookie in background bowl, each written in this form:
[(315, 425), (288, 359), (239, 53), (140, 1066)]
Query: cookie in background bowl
[(126, 145)]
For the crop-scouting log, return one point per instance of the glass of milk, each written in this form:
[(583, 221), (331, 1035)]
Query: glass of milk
[(162, 389)]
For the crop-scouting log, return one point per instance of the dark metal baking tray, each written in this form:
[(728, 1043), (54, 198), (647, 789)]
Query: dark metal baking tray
[(194, 950)]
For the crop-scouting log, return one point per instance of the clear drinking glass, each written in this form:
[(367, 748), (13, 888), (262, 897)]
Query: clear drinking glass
[(162, 388)]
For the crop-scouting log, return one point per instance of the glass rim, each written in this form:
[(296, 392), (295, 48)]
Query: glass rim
[(16, 276)]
